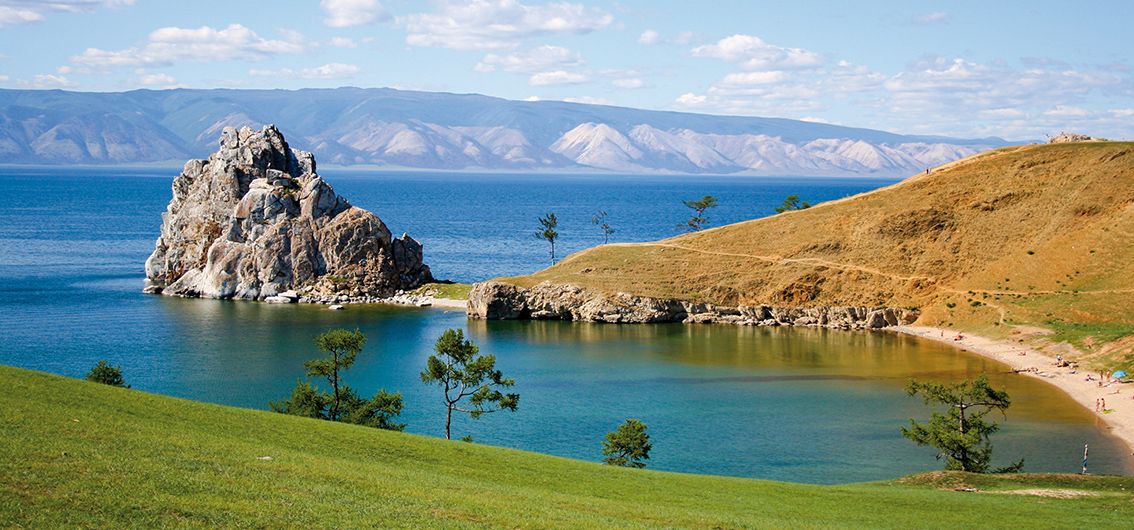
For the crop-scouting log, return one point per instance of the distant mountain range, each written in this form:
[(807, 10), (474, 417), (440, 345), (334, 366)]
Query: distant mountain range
[(382, 126)]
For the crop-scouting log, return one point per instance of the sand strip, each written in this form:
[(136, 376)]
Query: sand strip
[(450, 303), (1033, 363)]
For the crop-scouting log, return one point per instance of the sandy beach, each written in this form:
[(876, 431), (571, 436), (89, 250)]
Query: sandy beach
[(449, 303), (1034, 363)]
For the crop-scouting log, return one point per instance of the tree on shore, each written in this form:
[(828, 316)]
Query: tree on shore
[(792, 202), (462, 373), (599, 219), (961, 434), (699, 207), (627, 446), (548, 233), (341, 403), (103, 372)]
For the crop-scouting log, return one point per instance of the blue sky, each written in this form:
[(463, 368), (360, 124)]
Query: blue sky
[(1018, 70)]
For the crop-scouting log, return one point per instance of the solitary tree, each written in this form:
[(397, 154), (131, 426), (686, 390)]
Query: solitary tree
[(461, 373), (342, 403), (792, 203), (599, 219), (961, 433), (343, 347), (628, 446), (106, 374), (698, 220), (549, 222)]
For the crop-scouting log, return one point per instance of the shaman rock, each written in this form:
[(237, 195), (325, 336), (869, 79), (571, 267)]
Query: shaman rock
[(255, 220)]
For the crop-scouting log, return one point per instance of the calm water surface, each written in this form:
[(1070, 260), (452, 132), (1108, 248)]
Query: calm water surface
[(802, 405)]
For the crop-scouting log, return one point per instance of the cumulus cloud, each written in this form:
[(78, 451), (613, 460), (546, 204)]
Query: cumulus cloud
[(649, 37), (539, 59), (349, 13), (168, 45), (557, 77), (498, 24), (342, 42), (326, 71), (752, 53), (26, 11), (754, 78)]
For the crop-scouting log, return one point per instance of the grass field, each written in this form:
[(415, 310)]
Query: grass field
[(452, 291), (998, 243), (78, 454)]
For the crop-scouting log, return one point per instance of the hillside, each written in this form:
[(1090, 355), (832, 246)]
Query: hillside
[(1036, 241), (381, 126), (78, 454)]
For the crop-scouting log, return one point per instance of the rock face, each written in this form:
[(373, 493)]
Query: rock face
[(1067, 138), (500, 301), (256, 222)]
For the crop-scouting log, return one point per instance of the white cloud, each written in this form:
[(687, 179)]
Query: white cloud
[(532, 98), (935, 17), (752, 53), (327, 71), (685, 37), (4, 78), (539, 59), (814, 119), (1122, 113), (498, 24), (557, 77), (167, 45), (691, 100), (629, 83), (755, 78), (1067, 111), (349, 13), (589, 100), (26, 11), (649, 37), (157, 80), (49, 81), (342, 42)]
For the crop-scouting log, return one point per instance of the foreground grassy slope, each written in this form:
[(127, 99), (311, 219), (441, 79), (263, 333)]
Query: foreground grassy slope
[(1038, 236), (77, 454)]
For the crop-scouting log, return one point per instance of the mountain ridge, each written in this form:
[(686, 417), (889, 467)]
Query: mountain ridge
[(434, 130)]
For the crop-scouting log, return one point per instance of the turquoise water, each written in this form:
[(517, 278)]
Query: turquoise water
[(802, 405)]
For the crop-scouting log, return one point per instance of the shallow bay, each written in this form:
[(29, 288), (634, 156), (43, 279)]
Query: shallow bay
[(803, 405)]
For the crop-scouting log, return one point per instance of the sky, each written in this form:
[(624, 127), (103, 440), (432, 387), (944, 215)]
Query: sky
[(1016, 70)]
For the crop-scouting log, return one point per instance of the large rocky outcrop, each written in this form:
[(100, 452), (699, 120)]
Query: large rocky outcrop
[(547, 301), (255, 221)]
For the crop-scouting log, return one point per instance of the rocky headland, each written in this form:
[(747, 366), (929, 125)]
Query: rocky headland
[(495, 300), (256, 222)]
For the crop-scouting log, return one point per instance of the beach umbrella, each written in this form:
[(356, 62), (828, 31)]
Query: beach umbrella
[(1119, 374)]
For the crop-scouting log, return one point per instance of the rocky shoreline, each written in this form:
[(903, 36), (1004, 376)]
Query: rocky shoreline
[(494, 300)]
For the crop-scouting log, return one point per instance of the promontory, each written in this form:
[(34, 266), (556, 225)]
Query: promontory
[(255, 221)]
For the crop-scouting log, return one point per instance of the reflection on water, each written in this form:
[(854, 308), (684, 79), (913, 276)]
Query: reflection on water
[(804, 405)]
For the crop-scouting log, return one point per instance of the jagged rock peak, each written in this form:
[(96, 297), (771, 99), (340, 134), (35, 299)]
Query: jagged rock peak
[(255, 221)]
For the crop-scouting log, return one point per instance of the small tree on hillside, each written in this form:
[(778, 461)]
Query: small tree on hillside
[(106, 374), (599, 219), (961, 434), (792, 202), (628, 446), (342, 403), (461, 373), (699, 207), (548, 233)]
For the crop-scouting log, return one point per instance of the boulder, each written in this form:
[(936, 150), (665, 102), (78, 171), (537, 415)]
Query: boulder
[(255, 221)]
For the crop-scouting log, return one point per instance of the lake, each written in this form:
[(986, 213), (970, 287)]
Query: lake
[(803, 405)]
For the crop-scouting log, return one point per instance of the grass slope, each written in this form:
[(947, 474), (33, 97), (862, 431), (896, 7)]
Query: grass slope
[(1002, 243), (78, 454)]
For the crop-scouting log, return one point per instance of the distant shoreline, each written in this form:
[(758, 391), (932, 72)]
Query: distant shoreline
[(1034, 363)]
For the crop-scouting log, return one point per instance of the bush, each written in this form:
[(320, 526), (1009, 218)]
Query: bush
[(106, 374)]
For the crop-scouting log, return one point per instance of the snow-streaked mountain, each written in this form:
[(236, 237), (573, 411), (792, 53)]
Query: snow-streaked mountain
[(351, 126)]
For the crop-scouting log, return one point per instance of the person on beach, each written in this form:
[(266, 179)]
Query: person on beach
[(1096, 404)]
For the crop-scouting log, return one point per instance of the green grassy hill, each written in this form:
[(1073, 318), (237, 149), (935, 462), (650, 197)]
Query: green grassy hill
[(1030, 241), (78, 454)]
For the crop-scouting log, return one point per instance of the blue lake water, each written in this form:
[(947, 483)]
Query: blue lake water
[(802, 405)]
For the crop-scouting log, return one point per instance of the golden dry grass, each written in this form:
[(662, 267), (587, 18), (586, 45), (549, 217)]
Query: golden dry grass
[(1037, 235)]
